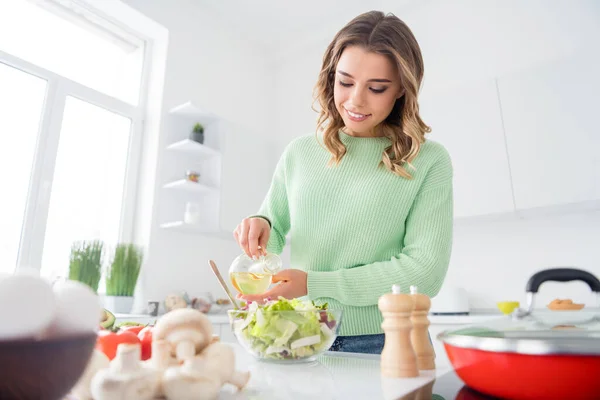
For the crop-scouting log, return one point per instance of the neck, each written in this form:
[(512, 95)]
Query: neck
[(369, 134)]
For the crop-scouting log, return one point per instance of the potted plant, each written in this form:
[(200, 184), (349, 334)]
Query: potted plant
[(197, 134), (85, 263), (121, 277)]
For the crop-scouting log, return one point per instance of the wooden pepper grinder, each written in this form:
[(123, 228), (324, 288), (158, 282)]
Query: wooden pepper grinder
[(419, 335), (398, 359)]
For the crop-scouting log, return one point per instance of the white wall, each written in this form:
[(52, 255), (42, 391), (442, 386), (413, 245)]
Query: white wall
[(266, 100), (218, 71), (466, 42)]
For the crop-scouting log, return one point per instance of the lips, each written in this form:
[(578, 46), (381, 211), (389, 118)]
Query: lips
[(356, 116)]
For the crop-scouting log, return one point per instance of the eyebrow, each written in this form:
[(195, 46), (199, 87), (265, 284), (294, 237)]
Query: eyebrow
[(370, 80)]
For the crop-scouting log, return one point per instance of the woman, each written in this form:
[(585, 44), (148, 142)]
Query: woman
[(368, 201)]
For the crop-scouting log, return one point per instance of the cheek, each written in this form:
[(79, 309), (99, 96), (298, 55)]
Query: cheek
[(338, 95), (385, 104)]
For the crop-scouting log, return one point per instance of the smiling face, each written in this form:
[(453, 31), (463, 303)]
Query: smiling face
[(366, 87)]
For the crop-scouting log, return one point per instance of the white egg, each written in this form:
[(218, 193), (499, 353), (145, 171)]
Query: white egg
[(27, 306), (78, 309)]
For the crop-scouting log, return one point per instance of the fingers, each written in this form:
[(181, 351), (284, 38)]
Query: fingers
[(244, 228), (280, 277), (254, 235), (273, 293), (262, 242)]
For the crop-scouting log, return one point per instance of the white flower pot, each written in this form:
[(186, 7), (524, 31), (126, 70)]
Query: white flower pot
[(118, 304)]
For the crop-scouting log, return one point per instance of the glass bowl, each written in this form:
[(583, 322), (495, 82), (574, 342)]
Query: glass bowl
[(285, 336)]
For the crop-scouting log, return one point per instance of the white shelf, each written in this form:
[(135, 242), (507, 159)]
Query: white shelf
[(189, 110), (192, 147), (188, 186), (181, 226)]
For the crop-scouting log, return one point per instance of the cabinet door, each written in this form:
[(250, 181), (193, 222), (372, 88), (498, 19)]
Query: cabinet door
[(467, 121), (441, 358), (553, 136)]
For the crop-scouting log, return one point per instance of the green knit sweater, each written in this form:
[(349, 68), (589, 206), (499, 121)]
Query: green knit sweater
[(357, 228)]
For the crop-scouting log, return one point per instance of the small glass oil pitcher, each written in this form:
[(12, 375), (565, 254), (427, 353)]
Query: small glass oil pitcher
[(250, 276)]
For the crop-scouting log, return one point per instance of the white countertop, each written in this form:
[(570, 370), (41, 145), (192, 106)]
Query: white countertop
[(333, 376), (473, 318), (222, 318), (216, 318)]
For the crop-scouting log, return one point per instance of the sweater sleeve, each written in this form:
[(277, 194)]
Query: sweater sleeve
[(275, 209), (423, 261)]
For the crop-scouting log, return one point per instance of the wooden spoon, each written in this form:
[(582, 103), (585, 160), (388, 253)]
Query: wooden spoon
[(215, 270)]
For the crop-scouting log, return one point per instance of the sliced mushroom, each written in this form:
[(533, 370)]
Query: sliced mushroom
[(187, 330)]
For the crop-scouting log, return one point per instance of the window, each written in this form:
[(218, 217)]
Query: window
[(22, 95), (69, 94), (71, 41), (87, 188)]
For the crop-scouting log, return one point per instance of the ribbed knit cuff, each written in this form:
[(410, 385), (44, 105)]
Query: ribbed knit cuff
[(263, 217), (322, 284)]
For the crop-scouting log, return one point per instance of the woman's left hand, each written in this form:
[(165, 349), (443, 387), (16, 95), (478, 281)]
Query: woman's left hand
[(291, 284)]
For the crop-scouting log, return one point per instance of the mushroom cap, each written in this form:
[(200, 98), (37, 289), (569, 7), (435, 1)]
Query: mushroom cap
[(183, 318)]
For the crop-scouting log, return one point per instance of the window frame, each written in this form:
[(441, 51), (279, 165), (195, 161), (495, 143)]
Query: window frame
[(42, 173)]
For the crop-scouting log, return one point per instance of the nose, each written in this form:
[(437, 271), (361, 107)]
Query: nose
[(357, 97)]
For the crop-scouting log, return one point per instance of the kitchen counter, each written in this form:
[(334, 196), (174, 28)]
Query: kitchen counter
[(215, 318), (333, 376), (472, 318), (222, 318)]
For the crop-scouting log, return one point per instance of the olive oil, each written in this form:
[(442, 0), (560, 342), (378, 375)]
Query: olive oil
[(250, 282)]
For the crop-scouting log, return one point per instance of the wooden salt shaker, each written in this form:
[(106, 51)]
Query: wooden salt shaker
[(420, 333), (398, 359)]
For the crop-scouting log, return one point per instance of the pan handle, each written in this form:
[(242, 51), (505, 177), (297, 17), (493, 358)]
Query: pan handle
[(562, 275), (555, 274)]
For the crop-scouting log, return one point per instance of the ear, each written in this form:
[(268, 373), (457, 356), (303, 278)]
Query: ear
[(400, 94)]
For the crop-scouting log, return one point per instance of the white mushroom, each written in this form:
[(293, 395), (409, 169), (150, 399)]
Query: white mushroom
[(125, 378), (191, 381), (82, 389), (219, 358), (187, 330), (161, 360)]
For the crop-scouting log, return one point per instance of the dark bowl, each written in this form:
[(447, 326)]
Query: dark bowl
[(43, 369)]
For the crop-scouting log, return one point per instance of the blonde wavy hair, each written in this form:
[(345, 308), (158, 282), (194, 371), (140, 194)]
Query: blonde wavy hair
[(383, 34)]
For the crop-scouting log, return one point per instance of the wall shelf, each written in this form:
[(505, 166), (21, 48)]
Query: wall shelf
[(189, 110), (191, 147), (205, 159), (188, 186)]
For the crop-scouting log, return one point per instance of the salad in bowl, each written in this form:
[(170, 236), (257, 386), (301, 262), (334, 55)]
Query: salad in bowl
[(285, 330)]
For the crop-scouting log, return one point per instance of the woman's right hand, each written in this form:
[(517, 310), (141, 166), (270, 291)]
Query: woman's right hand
[(252, 234)]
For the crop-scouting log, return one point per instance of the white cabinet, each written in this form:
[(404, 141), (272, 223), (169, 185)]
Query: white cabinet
[(441, 358), (467, 121), (552, 130)]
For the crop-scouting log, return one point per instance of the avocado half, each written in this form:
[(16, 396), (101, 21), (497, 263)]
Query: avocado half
[(108, 319)]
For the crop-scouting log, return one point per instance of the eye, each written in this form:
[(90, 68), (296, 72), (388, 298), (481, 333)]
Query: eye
[(378, 91), (344, 84)]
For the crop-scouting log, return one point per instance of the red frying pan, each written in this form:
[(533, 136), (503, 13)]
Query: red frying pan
[(531, 356)]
